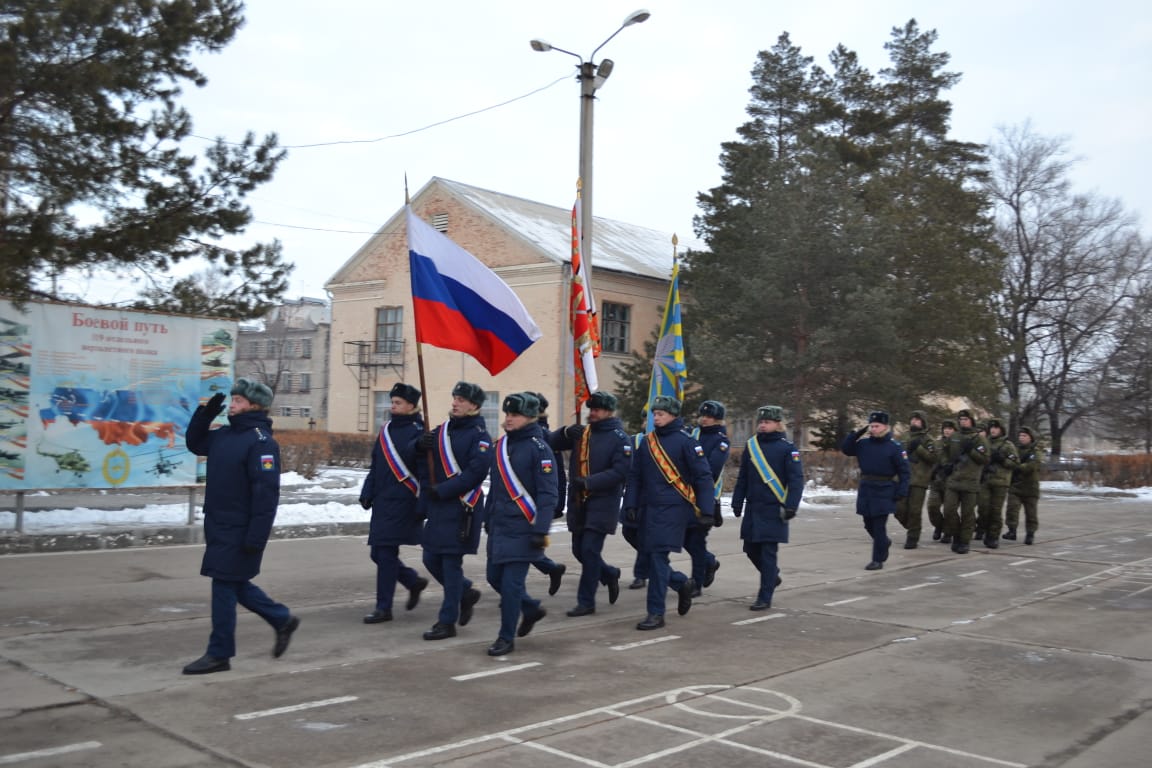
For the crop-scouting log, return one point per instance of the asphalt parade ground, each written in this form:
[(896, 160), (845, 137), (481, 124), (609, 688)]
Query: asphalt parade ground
[(1022, 656)]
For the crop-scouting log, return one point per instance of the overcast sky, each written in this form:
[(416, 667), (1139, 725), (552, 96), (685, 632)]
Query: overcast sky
[(359, 70)]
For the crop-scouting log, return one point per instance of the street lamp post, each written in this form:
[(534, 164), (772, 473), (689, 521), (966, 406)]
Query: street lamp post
[(591, 77)]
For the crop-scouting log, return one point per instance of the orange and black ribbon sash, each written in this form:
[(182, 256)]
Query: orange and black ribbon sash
[(671, 474)]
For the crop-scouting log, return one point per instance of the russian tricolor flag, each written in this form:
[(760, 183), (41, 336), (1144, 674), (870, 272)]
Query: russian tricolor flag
[(460, 304)]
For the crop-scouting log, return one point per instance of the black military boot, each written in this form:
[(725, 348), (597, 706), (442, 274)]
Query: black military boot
[(937, 533), (1030, 538), (911, 541), (946, 538), (991, 542), (1009, 534), (978, 534)]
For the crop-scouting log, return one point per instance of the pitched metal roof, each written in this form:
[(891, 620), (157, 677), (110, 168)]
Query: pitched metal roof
[(616, 246)]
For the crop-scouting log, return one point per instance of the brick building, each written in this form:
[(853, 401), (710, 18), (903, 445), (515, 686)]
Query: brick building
[(529, 245)]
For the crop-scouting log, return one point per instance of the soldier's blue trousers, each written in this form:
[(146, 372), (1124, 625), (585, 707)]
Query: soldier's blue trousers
[(225, 595)]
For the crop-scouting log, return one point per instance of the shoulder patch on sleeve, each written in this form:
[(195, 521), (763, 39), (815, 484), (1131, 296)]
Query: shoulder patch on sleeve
[(699, 450), (268, 462), (904, 455), (628, 449), (484, 446), (795, 455), (724, 445), (546, 466)]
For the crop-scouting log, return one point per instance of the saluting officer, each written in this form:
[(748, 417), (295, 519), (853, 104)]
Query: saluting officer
[(884, 479), (770, 484), (461, 457), (671, 480), (601, 455), (392, 491), (518, 513)]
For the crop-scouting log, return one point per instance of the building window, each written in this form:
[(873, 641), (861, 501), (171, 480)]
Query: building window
[(491, 412), (382, 405), (273, 348), (305, 383), (252, 349), (305, 412), (615, 327), (305, 347), (286, 411), (390, 331), (285, 383)]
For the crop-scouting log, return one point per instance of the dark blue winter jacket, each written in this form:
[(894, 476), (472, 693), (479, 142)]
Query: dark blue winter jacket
[(241, 492), (664, 513), (472, 447), (396, 516), (594, 499), (510, 533), (755, 499)]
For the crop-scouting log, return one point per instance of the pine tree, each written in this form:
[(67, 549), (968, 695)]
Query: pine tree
[(93, 174), (850, 255)]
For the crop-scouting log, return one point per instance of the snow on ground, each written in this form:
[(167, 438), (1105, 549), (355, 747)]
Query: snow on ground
[(335, 482)]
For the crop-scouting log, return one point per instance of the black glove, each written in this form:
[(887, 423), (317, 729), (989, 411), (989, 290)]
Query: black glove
[(631, 515), (860, 432), (252, 550), (787, 513), (215, 404), (717, 519), (433, 490), (737, 509), (573, 432), (427, 440), (366, 503), (577, 486), (705, 521), (539, 540)]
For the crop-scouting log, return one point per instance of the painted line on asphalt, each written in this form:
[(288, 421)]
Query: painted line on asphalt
[(642, 643), (1063, 552), (919, 586), (972, 573), (490, 672), (295, 708), (1021, 562), (20, 757), (845, 602), (759, 619)]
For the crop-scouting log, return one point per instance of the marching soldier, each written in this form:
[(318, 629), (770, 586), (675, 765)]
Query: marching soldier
[(518, 513), (713, 439), (922, 457), (936, 486), (1025, 488), (770, 484), (461, 458), (392, 490), (671, 480), (553, 570), (965, 455), (1003, 460)]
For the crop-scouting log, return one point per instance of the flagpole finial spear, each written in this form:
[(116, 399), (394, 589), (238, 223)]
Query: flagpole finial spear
[(407, 200)]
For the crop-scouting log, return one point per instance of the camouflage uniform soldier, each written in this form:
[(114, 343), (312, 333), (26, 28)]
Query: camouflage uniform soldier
[(922, 459), (965, 455), (936, 487), (1025, 488), (997, 476)]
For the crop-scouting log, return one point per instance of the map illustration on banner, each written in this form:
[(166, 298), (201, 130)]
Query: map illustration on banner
[(100, 398)]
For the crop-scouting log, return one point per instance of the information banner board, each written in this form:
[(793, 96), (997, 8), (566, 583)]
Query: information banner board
[(92, 397)]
